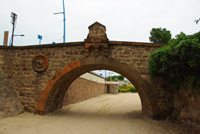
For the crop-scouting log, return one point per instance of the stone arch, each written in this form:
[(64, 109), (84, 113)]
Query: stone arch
[(51, 97)]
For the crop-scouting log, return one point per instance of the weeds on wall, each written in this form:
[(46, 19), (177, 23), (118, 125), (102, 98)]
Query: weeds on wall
[(179, 61)]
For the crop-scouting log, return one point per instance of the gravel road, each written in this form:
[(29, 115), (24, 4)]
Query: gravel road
[(105, 114)]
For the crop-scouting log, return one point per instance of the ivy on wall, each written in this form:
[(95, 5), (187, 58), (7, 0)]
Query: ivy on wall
[(179, 61)]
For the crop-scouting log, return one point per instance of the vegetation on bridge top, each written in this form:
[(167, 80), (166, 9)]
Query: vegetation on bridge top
[(179, 61)]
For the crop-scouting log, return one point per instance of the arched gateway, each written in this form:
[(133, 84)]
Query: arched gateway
[(51, 97), (41, 74), (97, 57)]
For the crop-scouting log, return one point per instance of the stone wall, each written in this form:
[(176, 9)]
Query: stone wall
[(165, 95), (135, 56), (113, 88), (10, 104), (187, 110), (16, 64), (82, 89)]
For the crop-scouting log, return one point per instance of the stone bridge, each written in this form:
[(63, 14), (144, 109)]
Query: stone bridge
[(42, 74)]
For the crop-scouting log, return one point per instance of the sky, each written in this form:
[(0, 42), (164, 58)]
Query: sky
[(125, 20)]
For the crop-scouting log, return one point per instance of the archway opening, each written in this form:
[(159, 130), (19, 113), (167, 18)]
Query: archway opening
[(94, 83), (52, 96)]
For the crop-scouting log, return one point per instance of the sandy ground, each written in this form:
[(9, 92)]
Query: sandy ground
[(105, 114)]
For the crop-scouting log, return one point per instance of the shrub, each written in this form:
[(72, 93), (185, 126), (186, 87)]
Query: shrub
[(127, 88), (123, 90), (179, 61), (123, 87), (133, 89)]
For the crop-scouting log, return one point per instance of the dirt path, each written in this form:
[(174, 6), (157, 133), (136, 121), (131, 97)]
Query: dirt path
[(106, 114)]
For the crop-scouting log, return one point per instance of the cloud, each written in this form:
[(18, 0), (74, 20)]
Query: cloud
[(127, 20)]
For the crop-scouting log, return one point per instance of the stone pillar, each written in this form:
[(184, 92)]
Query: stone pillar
[(5, 41)]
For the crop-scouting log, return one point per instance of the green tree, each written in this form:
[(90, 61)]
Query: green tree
[(109, 78), (120, 77), (115, 78), (159, 35)]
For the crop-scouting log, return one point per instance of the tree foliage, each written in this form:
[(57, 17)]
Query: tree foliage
[(158, 35), (179, 61), (115, 78), (120, 77)]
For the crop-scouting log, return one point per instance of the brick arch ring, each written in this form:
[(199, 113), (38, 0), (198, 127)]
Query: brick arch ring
[(52, 96)]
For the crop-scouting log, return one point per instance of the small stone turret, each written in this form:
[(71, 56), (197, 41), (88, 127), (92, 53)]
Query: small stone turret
[(97, 31), (96, 43)]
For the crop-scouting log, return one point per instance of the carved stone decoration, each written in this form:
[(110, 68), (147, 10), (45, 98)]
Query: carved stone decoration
[(97, 37), (96, 46), (40, 63)]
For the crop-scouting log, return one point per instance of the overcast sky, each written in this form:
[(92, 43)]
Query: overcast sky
[(125, 20)]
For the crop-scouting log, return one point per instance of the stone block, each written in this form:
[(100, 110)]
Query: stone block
[(156, 111), (146, 87), (154, 104), (152, 97), (82, 61)]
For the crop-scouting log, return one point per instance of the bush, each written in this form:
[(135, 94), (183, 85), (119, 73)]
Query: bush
[(133, 89), (122, 87), (179, 61), (123, 90), (128, 88)]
